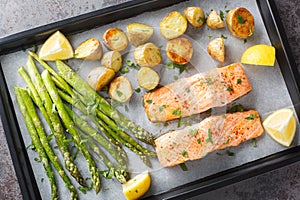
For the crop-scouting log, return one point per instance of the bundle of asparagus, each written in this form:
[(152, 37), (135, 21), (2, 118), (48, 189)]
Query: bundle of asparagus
[(55, 95)]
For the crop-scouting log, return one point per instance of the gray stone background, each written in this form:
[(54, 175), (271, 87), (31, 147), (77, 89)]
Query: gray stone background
[(20, 15)]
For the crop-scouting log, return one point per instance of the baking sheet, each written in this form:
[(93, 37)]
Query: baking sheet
[(269, 93)]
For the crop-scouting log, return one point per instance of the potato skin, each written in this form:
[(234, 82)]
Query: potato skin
[(240, 22), (214, 20), (120, 89), (173, 25), (179, 50), (138, 33), (147, 78), (112, 60), (216, 49), (115, 39), (100, 77), (195, 16), (147, 55), (90, 49)]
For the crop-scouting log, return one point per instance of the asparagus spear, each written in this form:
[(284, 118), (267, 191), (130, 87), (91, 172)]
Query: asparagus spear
[(44, 102), (90, 95), (69, 124), (44, 141), (121, 175), (117, 152), (37, 144), (120, 136)]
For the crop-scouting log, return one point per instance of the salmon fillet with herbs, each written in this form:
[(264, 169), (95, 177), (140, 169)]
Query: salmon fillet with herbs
[(196, 94), (215, 132)]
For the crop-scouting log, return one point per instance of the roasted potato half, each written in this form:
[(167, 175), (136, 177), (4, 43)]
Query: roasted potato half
[(115, 39), (112, 60), (147, 78), (173, 25), (195, 16), (120, 89), (100, 77), (90, 49), (179, 50), (147, 55), (240, 22), (138, 33), (214, 20), (216, 49)]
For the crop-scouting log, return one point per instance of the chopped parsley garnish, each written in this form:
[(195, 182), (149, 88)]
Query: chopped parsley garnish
[(124, 70), (187, 90), (227, 11), (200, 19), (251, 117), (209, 36), (198, 141), (49, 137), (193, 132), (174, 143), (126, 108), (42, 180), (184, 153), (166, 123), (119, 93), (254, 142), (223, 116), (219, 154), (229, 153), (105, 88), (183, 167), (221, 15), (238, 81), (149, 101), (209, 139), (209, 81), (172, 65), (161, 108), (138, 90), (227, 141), (31, 146), (108, 174), (129, 63), (236, 108), (177, 112), (229, 89), (37, 160), (179, 122), (245, 41), (223, 36), (240, 19), (175, 78)]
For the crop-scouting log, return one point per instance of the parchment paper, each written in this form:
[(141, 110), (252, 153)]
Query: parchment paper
[(269, 93)]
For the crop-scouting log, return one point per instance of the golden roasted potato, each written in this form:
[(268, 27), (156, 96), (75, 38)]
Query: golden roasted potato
[(147, 78), (240, 22), (147, 55), (112, 60), (173, 25), (216, 49), (214, 20), (115, 39), (100, 77), (179, 50), (90, 49), (120, 89), (195, 16), (138, 33)]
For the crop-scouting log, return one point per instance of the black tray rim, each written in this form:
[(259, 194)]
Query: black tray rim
[(33, 36)]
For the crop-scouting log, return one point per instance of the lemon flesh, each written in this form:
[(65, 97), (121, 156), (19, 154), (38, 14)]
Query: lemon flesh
[(137, 186), (260, 54), (281, 126), (56, 47)]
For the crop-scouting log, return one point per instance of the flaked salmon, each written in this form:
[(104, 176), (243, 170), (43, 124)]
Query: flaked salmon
[(214, 132), (196, 94)]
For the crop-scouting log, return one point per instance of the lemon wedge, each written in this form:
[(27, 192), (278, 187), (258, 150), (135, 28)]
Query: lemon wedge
[(137, 186), (56, 47), (281, 126), (260, 54)]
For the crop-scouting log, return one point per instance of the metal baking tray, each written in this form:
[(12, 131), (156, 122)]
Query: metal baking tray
[(89, 21)]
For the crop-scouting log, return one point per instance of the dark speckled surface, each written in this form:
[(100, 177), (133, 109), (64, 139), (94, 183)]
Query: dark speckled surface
[(19, 15)]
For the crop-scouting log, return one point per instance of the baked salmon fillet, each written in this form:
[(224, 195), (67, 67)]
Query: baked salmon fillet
[(196, 94), (215, 132)]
